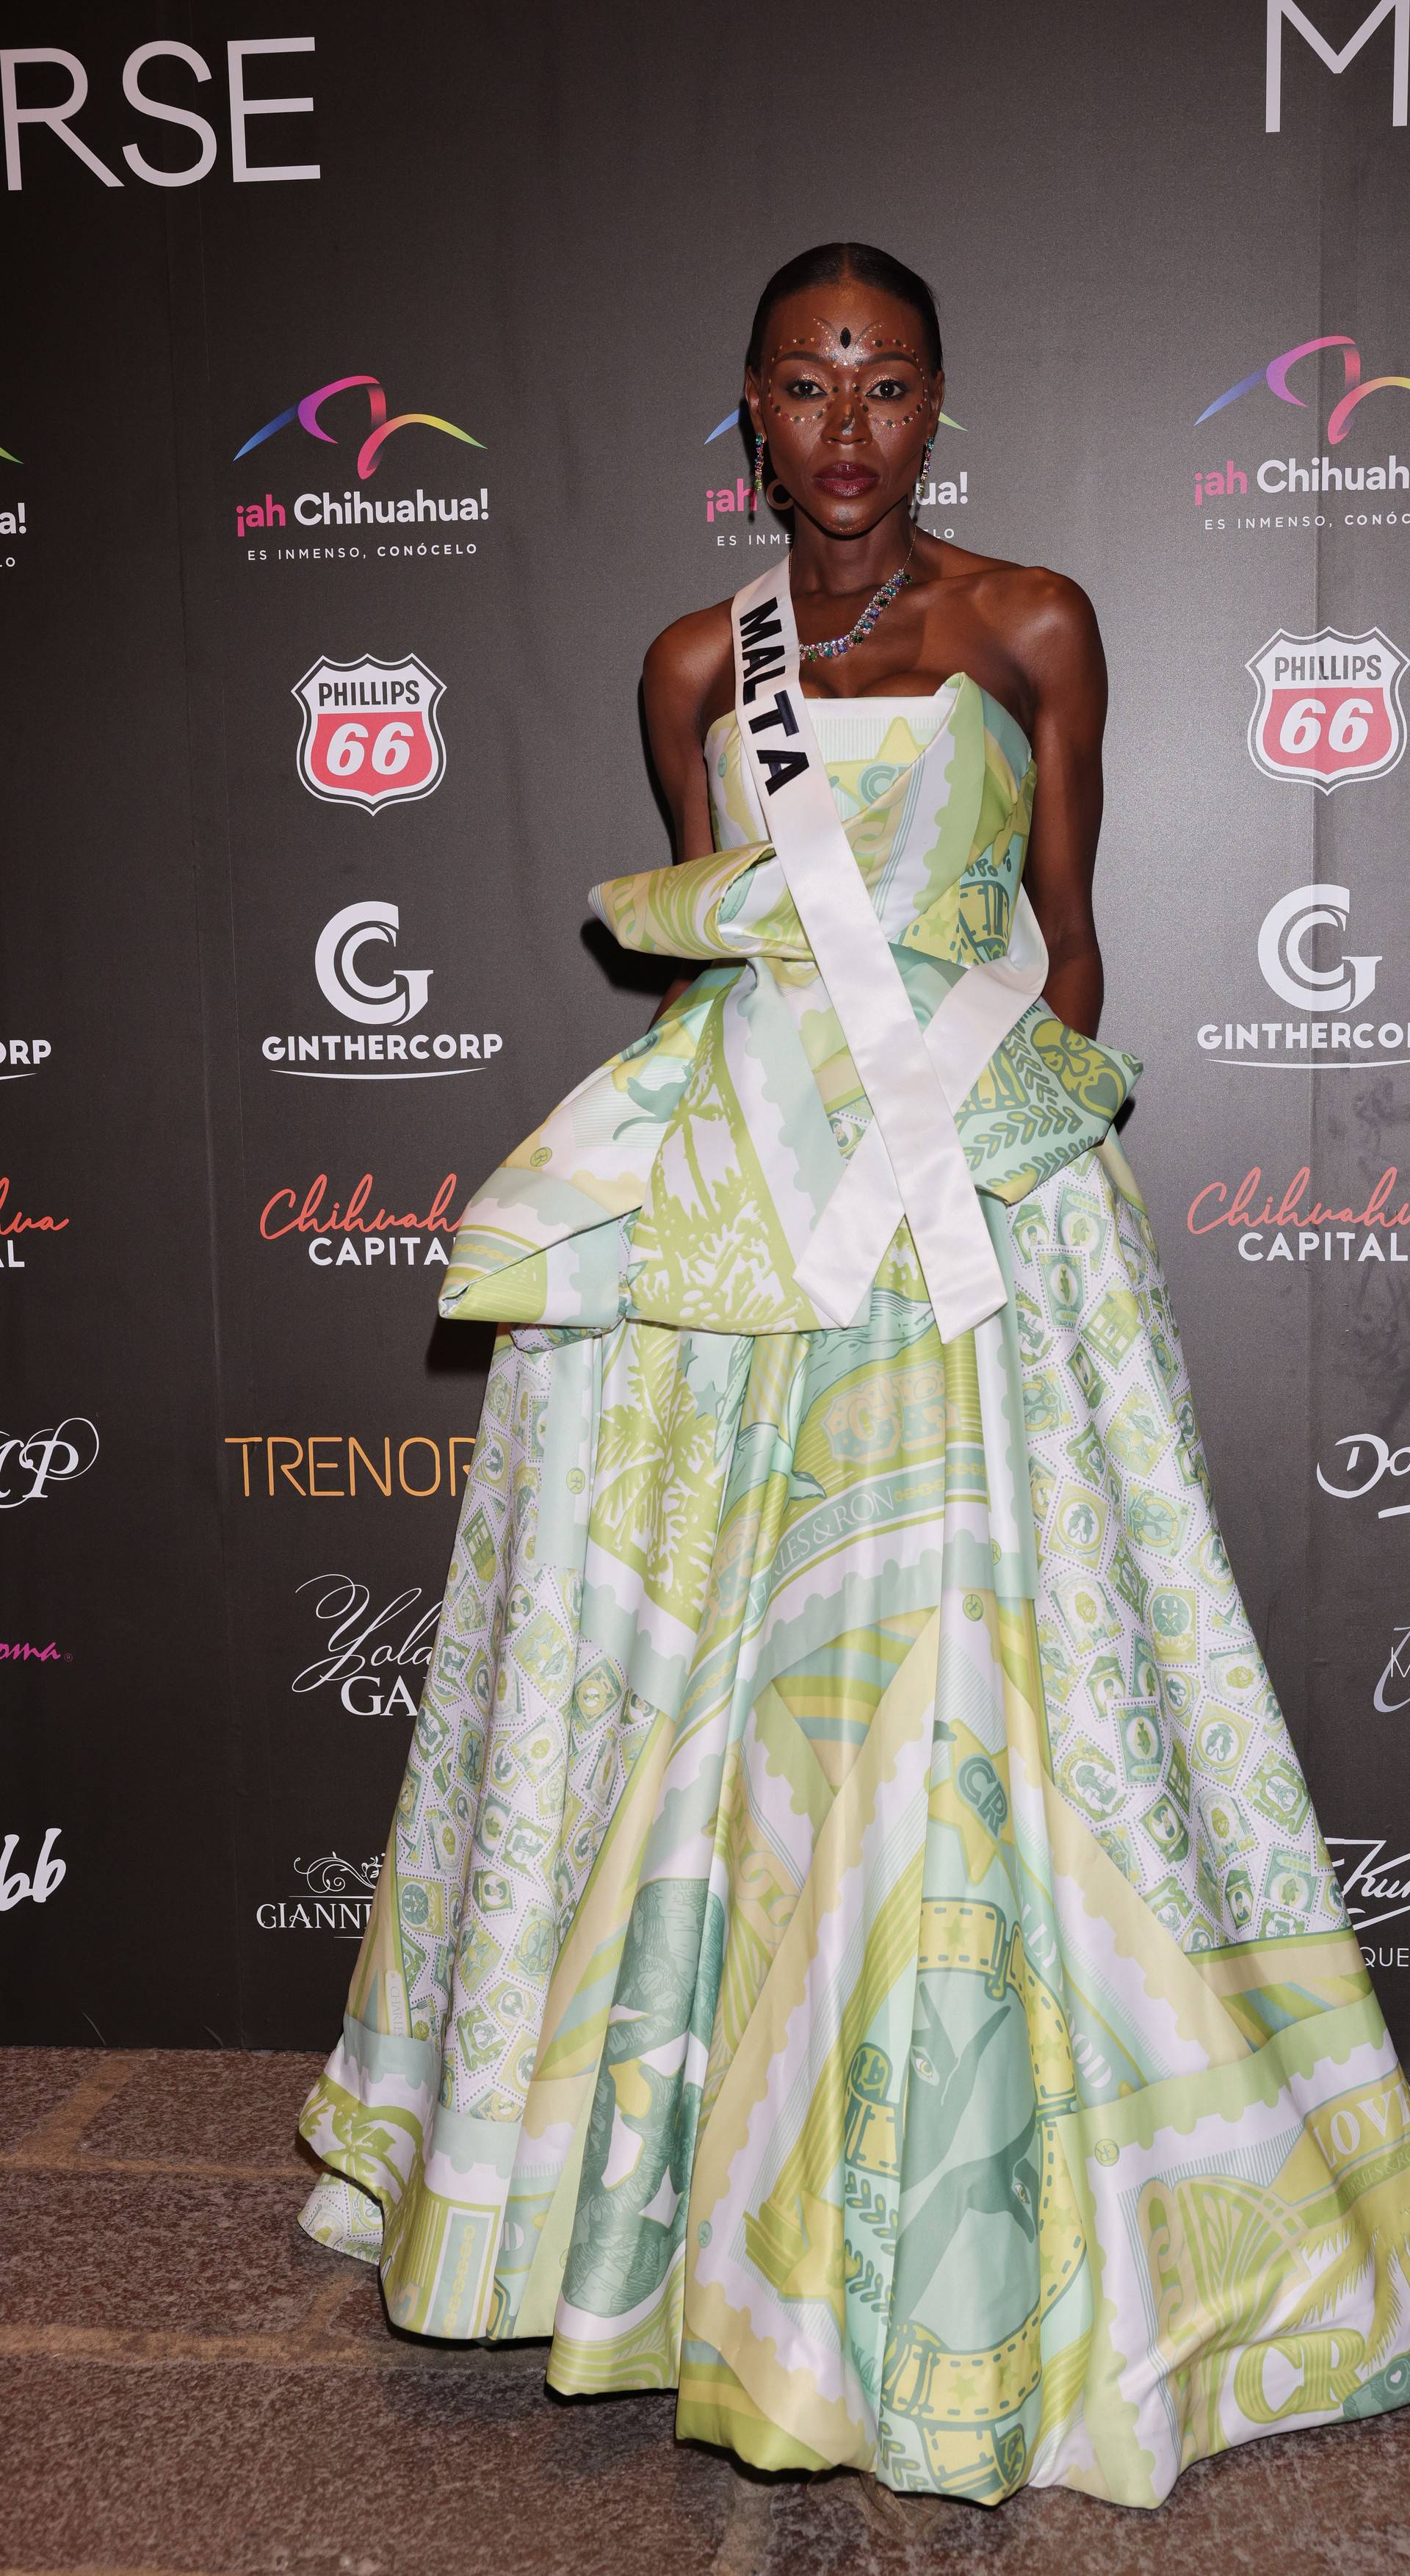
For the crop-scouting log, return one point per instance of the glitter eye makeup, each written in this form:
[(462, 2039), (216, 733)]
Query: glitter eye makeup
[(883, 406), (827, 345), (847, 355), (816, 410)]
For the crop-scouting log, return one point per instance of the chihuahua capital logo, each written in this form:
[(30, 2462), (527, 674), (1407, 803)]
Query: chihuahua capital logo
[(1328, 706), (379, 429)]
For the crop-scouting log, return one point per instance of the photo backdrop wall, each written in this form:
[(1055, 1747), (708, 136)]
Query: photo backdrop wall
[(370, 405)]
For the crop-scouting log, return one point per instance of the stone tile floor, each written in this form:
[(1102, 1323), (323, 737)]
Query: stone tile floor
[(188, 2387)]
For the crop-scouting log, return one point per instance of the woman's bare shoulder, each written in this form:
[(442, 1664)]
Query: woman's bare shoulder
[(685, 667), (1042, 617), (1020, 595), (690, 650)]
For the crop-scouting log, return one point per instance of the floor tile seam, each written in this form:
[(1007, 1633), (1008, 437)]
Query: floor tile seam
[(155, 2347), (77, 2160), (93, 2092), (311, 2332), (745, 2542)]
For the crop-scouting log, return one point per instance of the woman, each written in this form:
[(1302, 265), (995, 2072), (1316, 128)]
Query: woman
[(856, 1944)]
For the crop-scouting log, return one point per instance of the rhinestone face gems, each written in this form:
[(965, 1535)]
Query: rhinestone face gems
[(795, 390)]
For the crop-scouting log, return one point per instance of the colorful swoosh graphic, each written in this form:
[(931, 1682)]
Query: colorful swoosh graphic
[(1275, 376), (379, 429)]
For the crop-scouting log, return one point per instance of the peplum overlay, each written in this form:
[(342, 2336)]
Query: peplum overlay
[(680, 1182)]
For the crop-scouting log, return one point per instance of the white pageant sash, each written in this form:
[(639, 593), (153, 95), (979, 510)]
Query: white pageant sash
[(910, 1161)]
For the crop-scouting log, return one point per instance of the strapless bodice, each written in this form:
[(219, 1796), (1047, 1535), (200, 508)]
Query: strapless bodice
[(867, 744), (934, 794)]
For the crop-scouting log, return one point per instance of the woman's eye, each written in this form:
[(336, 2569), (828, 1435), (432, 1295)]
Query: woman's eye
[(803, 389), (890, 390)]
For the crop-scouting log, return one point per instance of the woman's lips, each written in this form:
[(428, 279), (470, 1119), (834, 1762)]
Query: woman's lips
[(846, 480)]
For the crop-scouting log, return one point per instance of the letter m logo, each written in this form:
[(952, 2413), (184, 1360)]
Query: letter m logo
[(1278, 10)]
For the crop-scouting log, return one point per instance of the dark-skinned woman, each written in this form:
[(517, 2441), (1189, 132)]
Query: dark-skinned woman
[(856, 1945)]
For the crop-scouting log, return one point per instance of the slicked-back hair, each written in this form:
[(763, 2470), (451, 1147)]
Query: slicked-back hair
[(829, 261)]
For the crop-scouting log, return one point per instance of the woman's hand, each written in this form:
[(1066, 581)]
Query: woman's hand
[(678, 984)]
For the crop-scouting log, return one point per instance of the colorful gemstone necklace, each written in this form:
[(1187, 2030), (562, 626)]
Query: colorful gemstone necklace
[(880, 599)]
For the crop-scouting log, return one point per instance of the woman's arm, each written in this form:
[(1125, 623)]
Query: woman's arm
[(675, 681), (1060, 652), (676, 678)]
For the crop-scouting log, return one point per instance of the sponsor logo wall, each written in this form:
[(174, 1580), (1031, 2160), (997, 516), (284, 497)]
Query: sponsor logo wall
[(281, 525), (356, 946), (34, 1467), (370, 735), (337, 521)]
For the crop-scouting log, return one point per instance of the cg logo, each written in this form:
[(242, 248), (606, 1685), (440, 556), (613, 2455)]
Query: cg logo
[(29, 1467), (1286, 969), (335, 962)]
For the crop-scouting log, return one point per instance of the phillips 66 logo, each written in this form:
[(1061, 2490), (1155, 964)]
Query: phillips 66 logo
[(1328, 707), (370, 734)]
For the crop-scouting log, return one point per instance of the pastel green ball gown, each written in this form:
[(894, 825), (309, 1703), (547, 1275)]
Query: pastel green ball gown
[(855, 1943)]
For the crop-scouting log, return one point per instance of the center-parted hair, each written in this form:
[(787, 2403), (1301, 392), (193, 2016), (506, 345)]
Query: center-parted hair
[(829, 261)]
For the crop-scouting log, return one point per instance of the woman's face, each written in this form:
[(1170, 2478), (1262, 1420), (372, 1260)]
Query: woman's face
[(846, 401)]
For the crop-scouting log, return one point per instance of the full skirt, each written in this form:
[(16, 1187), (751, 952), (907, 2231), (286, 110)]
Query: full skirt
[(856, 1945)]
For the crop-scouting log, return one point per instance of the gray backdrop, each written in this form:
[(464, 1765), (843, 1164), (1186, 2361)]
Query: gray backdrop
[(547, 228)]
